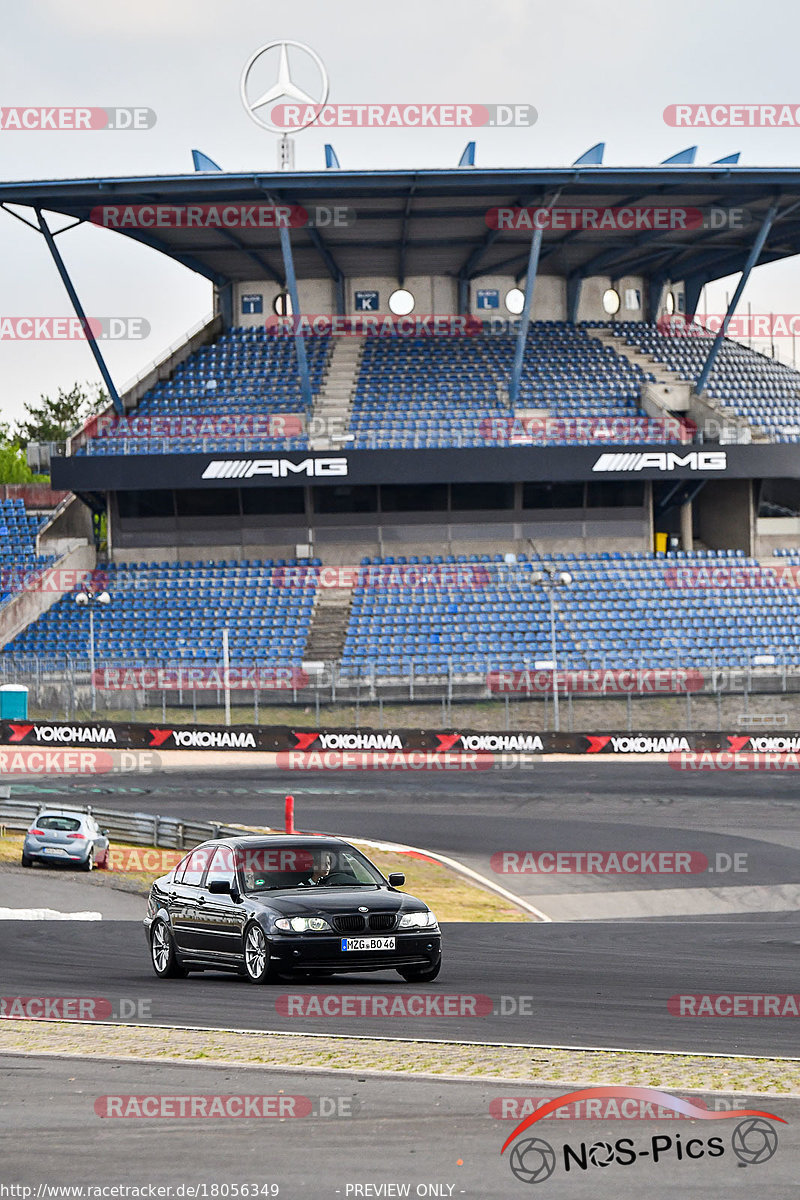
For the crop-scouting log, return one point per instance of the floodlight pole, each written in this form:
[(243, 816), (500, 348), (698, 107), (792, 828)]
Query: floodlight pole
[(91, 657), (553, 658), (226, 674)]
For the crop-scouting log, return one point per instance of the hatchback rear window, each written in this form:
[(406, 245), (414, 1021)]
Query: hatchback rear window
[(62, 824)]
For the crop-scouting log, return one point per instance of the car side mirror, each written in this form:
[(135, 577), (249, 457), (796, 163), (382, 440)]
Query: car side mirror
[(396, 879), (104, 832), (221, 887)]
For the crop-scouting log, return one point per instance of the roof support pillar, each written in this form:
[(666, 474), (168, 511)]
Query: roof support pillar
[(79, 313), (525, 318), (752, 259), (692, 291), (463, 295), (299, 343), (574, 289)]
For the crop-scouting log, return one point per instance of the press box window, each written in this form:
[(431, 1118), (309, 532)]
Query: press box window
[(346, 499), (469, 496)]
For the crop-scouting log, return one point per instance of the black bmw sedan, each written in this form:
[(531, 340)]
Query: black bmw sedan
[(273, 905)]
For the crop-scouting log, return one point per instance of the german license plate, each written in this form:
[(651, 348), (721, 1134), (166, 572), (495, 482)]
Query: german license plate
[(56, 851), (372, 943)]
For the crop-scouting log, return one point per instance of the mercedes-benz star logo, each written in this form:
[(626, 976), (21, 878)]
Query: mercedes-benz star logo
[(284, 88)]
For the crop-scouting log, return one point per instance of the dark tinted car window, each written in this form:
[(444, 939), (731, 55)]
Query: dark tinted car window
[(62, 824), (195, 867), (273, 867)]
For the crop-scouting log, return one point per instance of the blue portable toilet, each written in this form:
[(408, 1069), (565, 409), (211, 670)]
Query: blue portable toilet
[(13, 702)]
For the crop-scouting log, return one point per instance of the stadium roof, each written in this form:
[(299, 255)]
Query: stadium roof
[(434, 222)]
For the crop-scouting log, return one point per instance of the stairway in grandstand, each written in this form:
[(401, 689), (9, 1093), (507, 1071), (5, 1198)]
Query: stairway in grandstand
[(645, 362), (330, 415), (329, 622)]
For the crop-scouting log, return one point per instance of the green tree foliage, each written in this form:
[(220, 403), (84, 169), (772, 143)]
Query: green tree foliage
[(49, 420), (53, 419)]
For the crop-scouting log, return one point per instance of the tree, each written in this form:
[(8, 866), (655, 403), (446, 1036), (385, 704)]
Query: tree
[(13, 466), (53, 420)]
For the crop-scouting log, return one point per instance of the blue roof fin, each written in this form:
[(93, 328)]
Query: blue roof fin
[(730, 161), (683, 158), (468, 157), (331, 157), (593, 156), (202, 162)]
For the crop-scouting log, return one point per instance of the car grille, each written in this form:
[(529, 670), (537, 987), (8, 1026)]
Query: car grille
[(349, 923), (355, 923), (382, 921)]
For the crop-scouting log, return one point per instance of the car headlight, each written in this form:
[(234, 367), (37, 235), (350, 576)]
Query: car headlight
[(303, 925), (416, 920)]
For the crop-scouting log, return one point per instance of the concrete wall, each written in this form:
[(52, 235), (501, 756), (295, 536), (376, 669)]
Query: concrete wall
[(315, 296), (776, 532), (27, 606), (725, 515), (439, 294)]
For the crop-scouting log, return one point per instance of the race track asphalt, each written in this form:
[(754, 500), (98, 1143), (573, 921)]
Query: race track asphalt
[(581, 980), (364, 1137)]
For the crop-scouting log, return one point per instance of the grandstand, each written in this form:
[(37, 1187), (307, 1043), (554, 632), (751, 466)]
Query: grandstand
[(18, 556), (586, 434)]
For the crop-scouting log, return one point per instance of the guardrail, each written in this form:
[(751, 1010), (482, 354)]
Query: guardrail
[(141, 829)]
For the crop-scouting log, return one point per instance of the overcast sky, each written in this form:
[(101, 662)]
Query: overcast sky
[(594, 72)]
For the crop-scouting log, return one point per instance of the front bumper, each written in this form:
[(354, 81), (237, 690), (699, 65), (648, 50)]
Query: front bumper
[(301, 952)]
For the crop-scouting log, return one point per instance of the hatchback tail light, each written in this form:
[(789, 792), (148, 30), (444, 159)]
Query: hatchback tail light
[(76, 837), (37, 832)]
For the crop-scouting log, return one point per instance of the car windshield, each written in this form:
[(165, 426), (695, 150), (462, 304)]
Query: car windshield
[(61, 824), (281, 868)]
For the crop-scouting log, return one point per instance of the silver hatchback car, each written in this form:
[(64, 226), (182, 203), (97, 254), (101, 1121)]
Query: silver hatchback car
[(64, 836)]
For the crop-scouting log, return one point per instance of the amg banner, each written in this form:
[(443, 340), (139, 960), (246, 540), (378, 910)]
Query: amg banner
[(306, 743), (227, 468)]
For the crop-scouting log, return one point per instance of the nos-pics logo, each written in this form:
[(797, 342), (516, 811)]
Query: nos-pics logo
[(753, 1140)]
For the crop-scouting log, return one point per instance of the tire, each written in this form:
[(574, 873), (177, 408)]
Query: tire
[(162, 953), (257, 966), (89, 864), (27, 861), (420, 974)]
